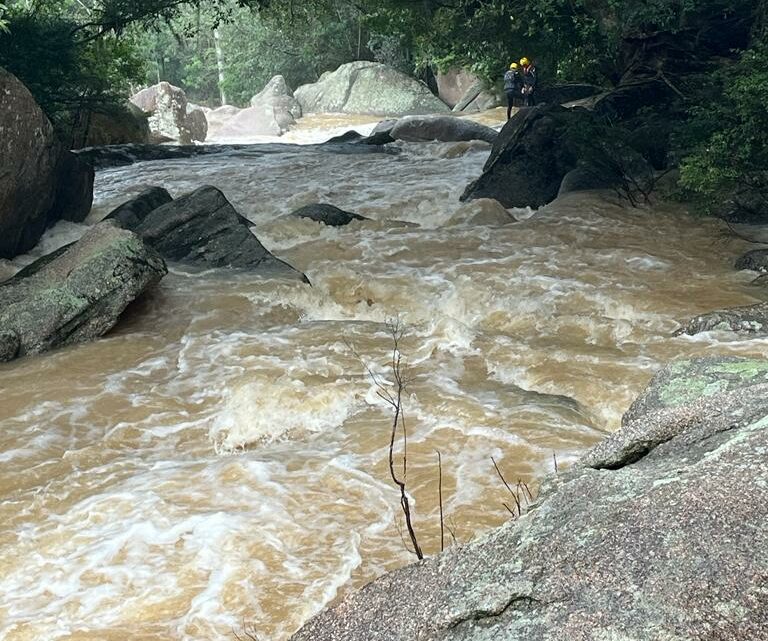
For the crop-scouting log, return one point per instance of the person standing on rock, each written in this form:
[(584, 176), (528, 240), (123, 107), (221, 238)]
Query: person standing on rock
[(513, 85), (530, 80)]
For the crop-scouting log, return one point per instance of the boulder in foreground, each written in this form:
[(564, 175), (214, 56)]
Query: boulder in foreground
[(368, 88), (661, 534), (201, 228), (40, 182), (77, 296)]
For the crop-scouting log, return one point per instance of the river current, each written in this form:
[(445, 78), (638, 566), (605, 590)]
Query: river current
[(219, 460)]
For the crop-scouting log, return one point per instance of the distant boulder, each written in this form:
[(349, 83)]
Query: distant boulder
[(40, 182), (78, 295), (476, 99), (168, 119), (441, 128), (253, 121), (326, 214), (197, 123), (453, 84), (278, 95), (368, 88), (118, 126), (201, 228)]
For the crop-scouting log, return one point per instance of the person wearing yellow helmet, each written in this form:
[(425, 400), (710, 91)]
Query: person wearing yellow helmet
[(513, 85), (530, 79)]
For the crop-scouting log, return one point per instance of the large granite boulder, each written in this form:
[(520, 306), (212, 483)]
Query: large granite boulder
[(442, 128), (40, 182), (252, 121), (661, 533), (530, 157), (78, 295), (368, 88), (197, 123), (327, 214), (117, 126), (200, 228), (453, 84), (278, 96), (169, 119), (751, 319)]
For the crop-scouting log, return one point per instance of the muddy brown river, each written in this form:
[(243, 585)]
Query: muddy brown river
[(220, 458)]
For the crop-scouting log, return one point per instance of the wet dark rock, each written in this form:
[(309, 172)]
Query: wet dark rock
[(660, 533), (77, 295), (751, 319), (203, 228), (381, 134), (41, 182), (117, 125), (130, 214), (120, 155), (347, 136), (326, 214), (530, 157), (440, 128), (756, 260)]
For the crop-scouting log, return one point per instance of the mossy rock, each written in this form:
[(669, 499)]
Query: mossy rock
[(685, 381)]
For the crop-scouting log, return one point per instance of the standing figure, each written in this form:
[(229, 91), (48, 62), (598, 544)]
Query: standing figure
[(530, 79), (513, 87)]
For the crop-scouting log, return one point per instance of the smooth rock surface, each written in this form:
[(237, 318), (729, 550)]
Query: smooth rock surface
[(453, 84), (368, 88), (40, 183), (78, 295), (203, 228), (278, 96), (671, 544), (441, 128), (326, 214)]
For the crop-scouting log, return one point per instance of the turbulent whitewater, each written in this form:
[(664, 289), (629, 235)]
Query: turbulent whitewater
[(220, 457)]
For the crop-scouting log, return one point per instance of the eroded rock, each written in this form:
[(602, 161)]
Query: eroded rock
[(326, 214), (441, 128), (751, 319)]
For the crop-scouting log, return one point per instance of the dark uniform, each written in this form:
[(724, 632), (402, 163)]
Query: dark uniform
[(513, 85), (530, 80)]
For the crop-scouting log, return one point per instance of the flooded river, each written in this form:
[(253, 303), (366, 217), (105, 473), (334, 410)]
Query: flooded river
[(220, 458)]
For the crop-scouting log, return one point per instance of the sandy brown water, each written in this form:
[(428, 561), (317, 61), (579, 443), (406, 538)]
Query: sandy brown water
[(220, 457)]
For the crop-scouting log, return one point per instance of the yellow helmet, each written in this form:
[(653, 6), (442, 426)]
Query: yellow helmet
[(525, 62), (513, 65)]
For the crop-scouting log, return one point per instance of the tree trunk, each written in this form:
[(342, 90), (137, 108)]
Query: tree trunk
[(220, 65)]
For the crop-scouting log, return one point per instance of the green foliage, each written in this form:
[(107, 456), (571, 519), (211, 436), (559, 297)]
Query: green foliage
[(732, 154), (63, 74)]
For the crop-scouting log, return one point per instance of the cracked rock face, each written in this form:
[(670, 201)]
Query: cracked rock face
[(668, 542), (77, 295)]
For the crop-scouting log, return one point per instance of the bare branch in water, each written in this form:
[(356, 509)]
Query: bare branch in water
[(440, 499)]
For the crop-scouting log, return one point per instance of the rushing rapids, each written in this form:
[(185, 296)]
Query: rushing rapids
[(221, 457)]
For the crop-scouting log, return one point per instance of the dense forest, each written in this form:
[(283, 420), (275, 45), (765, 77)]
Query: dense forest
[(89, 54)]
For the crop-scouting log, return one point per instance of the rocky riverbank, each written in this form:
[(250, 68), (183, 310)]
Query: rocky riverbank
[(660, 532)]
